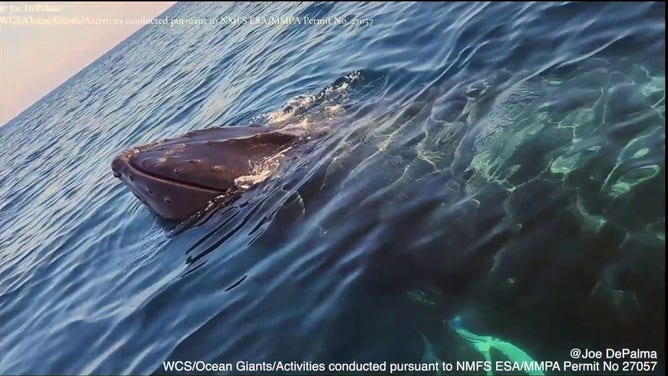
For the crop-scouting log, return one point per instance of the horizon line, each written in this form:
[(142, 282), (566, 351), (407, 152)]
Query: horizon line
[(70, 78)]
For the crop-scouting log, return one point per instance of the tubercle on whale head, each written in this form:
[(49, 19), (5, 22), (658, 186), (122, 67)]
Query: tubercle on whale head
[(178, 177)]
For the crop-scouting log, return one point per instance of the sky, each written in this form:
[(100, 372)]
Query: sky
[(41, 46)]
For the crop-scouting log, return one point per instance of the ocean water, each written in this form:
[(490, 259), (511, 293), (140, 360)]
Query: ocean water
[(487, 174)]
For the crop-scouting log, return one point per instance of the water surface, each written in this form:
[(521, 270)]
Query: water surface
[(493, 168)]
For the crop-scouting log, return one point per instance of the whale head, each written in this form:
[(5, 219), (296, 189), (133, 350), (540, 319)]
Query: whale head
[(179, 177)]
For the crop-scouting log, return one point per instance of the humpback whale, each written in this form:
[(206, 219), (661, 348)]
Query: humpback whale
[(178, 177)]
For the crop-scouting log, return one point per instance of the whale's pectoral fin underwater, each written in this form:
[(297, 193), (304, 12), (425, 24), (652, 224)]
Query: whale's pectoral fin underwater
[(179, 177)]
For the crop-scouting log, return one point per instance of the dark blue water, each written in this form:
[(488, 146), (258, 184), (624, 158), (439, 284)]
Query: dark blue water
[(495, 169)]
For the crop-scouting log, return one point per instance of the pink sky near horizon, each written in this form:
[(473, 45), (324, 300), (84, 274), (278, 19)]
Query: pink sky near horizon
[(35, 59)]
